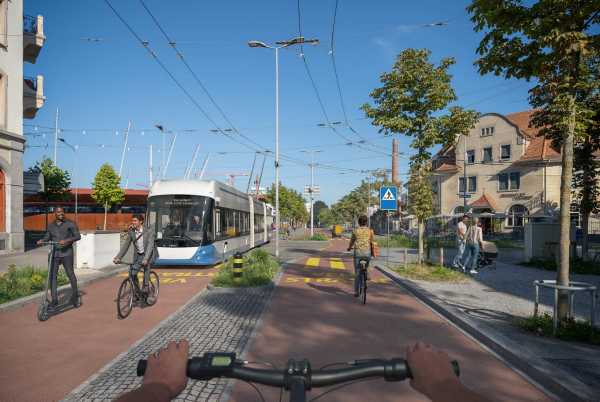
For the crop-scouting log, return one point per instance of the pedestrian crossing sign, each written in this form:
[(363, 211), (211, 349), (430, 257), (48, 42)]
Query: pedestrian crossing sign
[(388, 198)]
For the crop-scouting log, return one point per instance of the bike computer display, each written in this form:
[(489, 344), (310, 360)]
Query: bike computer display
[(220, 360)]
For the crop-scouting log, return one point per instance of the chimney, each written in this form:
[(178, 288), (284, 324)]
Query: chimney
[(395, 161)]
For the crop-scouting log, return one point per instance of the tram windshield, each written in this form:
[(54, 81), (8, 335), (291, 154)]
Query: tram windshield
[(181, 220)]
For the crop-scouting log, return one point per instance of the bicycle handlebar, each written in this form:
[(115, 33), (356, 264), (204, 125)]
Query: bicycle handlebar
[(395, 369)]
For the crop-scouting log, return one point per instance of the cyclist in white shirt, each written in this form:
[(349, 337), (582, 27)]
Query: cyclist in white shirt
[(474, 239)]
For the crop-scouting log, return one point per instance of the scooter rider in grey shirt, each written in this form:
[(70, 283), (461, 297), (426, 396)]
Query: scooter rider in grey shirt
[(65, 232)]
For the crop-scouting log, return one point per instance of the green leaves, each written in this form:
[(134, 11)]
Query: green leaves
[(106, 187), (420, 193), (56, 180), (291, 204)]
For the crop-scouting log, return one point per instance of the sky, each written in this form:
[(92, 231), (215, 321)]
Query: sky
[(99, 77)]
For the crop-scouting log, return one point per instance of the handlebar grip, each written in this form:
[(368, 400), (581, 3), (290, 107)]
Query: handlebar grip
[(141, 367)]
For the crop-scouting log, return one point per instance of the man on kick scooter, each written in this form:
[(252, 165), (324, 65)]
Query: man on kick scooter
[(65, 232)]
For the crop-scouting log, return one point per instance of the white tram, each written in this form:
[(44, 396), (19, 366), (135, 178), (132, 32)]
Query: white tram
[(204, 222)]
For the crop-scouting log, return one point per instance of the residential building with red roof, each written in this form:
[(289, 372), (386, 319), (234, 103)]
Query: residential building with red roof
[(511, 172)]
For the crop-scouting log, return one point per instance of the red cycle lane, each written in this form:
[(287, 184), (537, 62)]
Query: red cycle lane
[(314, 315), (44, 361)]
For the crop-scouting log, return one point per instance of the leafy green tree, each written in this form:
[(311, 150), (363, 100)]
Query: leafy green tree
[(420, 199), (318, 206), (549, 41), (56, 182), (411, 101), (292, 207), (107, 188)]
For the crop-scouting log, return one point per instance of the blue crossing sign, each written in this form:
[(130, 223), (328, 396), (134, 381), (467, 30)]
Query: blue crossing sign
[(388, 198)]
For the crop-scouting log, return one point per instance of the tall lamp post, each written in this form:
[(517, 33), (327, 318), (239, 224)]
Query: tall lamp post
[(74, 149), (296, 41), (312, 188)]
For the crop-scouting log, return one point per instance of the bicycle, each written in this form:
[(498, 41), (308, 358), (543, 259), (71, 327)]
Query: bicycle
[(362, 280), (45, 308), (298, 377), (129, 293)]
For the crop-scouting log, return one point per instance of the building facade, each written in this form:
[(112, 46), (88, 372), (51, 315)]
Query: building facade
[(504, 171), (21, 39)]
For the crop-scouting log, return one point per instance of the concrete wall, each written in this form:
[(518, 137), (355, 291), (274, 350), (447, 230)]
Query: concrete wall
[(11, 135), (96, 250)]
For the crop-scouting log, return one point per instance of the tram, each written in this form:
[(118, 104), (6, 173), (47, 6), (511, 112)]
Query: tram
[(200, 222)]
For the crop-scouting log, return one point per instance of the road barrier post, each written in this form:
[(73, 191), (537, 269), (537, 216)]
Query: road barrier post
[(238, 264)]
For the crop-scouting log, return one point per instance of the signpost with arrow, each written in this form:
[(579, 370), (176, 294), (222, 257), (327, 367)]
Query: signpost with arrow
[(388, 201)]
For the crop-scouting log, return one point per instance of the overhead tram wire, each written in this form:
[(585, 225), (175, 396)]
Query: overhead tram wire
[(146, 46), (182, 58), (318, 95), (337, 78)]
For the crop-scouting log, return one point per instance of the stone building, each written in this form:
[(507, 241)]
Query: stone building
[(21, 39)]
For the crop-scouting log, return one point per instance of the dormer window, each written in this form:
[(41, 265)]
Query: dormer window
[(487, 131)]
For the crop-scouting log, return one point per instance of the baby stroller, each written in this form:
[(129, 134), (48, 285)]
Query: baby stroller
[(487, 256)]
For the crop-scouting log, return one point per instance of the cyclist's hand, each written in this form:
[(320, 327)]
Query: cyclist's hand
[(431, 370), (62, 242), (144, 263), (168, 367)]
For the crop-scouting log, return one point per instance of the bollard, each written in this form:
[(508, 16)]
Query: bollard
[(238, 263), (442, 256), (405, 258)]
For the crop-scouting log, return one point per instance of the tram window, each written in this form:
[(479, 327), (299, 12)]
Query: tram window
[(218, 226)]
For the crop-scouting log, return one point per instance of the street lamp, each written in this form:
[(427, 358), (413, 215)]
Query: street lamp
[(312, 187), (74, 149), (280, 45)]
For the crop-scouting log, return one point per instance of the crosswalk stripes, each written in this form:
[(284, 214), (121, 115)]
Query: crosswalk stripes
[(313, 262), (336, 263)]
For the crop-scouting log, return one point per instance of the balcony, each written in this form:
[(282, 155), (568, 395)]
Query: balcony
[(33, 37), (33, 96)]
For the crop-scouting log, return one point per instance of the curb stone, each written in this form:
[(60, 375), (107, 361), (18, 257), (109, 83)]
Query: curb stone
[(545, 383)]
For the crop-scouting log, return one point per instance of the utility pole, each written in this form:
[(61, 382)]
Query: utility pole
[(251, 173), (188, 171), (465, 174), (311, 189), (169, 157), (204, 164), (55, 136), (394, 161), (124, 149)]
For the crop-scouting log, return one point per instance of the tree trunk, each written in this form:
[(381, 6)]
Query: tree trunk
[(566, 179), (421, 240), (105, 214)]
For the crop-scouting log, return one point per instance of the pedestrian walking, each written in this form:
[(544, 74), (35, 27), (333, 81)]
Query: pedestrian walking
[(474, 240), (461, 232), (65, 232)]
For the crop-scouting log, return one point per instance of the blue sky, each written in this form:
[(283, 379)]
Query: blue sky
[(100, 84)]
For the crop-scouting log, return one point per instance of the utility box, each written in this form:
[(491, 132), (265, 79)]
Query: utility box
[(542, 240), (96, 250)]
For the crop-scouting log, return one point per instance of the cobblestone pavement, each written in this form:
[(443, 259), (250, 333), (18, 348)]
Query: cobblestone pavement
[(215, 320)]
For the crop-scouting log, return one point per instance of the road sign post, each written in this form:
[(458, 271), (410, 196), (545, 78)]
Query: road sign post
[(388, 201)]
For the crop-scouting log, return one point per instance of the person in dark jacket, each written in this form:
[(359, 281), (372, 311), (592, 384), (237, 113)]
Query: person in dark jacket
[(65, 232)]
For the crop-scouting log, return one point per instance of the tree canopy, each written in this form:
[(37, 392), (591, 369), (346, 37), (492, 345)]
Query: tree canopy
[(106, 188), (292, 205), (56, 180)]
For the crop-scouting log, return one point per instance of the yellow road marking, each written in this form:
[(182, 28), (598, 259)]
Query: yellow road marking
[(313, 262), (310, 280), (336, 263)]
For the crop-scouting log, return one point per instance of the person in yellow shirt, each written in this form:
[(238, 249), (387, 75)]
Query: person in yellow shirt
[(362, 242)]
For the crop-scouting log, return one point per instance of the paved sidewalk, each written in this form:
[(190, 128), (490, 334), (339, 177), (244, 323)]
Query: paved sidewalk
[(215, 320), (38, 257), (492, 300)]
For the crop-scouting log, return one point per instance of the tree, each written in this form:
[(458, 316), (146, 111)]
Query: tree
[(411, 101), (106, 188), (550, 42), (319, 206), (420, 196), (56, 182), (292, 207)]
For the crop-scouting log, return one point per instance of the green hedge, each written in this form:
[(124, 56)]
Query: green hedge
[(430, 273), (25, 281), (319, 237), (578, 266), (259, 269), (569, 330)]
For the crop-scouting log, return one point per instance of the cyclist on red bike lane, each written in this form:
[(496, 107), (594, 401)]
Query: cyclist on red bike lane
[(142, 239), (362, 242)]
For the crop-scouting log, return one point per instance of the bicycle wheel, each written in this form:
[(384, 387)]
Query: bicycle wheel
[(363, 287), (153, 287), (125, 298)]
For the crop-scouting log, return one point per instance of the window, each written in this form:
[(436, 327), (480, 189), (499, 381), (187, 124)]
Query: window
[(515, 216), (487, 155), (472, 183), (509, 181), (487, 131), (505, 152), (471, 156), (435, 187), (520, 139), (4, 23)]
